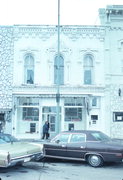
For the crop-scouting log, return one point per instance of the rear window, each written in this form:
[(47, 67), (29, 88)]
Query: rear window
[(98, 136)]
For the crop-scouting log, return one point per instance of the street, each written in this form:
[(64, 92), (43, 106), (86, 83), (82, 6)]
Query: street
[(62, 170)]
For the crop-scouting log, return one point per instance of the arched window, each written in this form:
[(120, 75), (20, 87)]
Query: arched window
[(88, 69), (59, 70), (29, 69)]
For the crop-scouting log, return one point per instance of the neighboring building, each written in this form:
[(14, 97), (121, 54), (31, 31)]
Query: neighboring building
[(90, 69), (6, 76)]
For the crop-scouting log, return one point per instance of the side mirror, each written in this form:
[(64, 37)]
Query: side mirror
[(57, 141)]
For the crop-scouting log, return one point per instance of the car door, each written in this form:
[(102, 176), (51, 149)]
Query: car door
[(57, 147), (76, 148)]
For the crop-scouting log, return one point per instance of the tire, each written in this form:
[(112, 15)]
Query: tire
[(95, 160)]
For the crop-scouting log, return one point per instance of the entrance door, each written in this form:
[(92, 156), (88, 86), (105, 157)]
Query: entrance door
[(52, 119), (49, 114), (2, 121)]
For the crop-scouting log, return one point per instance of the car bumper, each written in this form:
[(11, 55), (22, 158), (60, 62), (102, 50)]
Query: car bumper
[(23, 159)]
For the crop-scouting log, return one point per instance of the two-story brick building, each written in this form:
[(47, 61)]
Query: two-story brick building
[(90, 67)]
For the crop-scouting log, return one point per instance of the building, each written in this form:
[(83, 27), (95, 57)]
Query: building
[(90, 67)]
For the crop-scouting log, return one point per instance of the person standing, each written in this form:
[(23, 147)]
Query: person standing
[(45, 130), (48, 128)]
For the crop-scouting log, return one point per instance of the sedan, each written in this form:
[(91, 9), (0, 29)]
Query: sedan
[(13, 151), (95, 147)]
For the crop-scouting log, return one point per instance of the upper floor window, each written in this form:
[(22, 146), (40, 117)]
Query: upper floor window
[(95, 102), (29, 69), (59, 70), (88, 69)]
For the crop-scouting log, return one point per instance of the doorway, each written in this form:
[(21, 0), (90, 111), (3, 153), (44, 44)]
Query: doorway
[(2, 121), (52, 120), (49, 114)]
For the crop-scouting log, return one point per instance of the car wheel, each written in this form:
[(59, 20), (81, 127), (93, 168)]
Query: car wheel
[(95, 160)]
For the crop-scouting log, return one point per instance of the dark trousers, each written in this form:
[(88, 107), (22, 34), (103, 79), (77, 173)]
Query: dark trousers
[(45, 135)]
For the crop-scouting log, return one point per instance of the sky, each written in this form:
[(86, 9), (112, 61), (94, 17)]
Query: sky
[(45, 12)]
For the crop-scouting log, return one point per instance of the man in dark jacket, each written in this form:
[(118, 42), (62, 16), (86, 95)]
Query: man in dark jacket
[(45, 130)]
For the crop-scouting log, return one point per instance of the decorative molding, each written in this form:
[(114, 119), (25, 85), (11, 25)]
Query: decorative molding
[(84, 32), (37, 89), (46, 32), (43, 32)]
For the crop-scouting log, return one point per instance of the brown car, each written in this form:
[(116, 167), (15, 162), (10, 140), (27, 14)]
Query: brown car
[(94, 147)]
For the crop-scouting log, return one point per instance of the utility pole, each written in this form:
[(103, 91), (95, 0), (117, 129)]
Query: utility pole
[(58, 73)]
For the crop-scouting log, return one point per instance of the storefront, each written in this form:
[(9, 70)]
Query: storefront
[(74, 111), (26, 117), (32, 112), (30, 115)]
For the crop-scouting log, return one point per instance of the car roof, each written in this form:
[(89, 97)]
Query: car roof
[(5, 134), (81, 131)]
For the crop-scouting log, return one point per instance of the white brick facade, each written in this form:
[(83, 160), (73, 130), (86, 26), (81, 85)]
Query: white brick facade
[(95, 105)]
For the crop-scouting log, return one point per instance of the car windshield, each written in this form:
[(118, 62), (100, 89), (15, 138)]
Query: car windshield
[(2, 141), (99, 136), (8, 138)]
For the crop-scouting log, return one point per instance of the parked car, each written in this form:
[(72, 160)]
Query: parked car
[(95, 147), (13, 151)]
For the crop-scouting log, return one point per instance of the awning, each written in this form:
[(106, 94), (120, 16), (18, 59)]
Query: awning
[(4, 110)]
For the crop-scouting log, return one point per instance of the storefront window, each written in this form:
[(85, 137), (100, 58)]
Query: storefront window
[(51, 109), (73, 114), (74, 101), (30, 114), (28, 101)]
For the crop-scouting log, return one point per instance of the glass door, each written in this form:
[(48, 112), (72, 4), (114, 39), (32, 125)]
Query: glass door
[(49, 114), (52, 120)]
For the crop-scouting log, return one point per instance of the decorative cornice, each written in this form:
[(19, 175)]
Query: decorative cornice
[(36, 89), (84, 32), (41, 32), (45, 32)]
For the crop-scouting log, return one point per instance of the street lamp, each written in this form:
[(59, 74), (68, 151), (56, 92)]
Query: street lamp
[(58, 69)]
